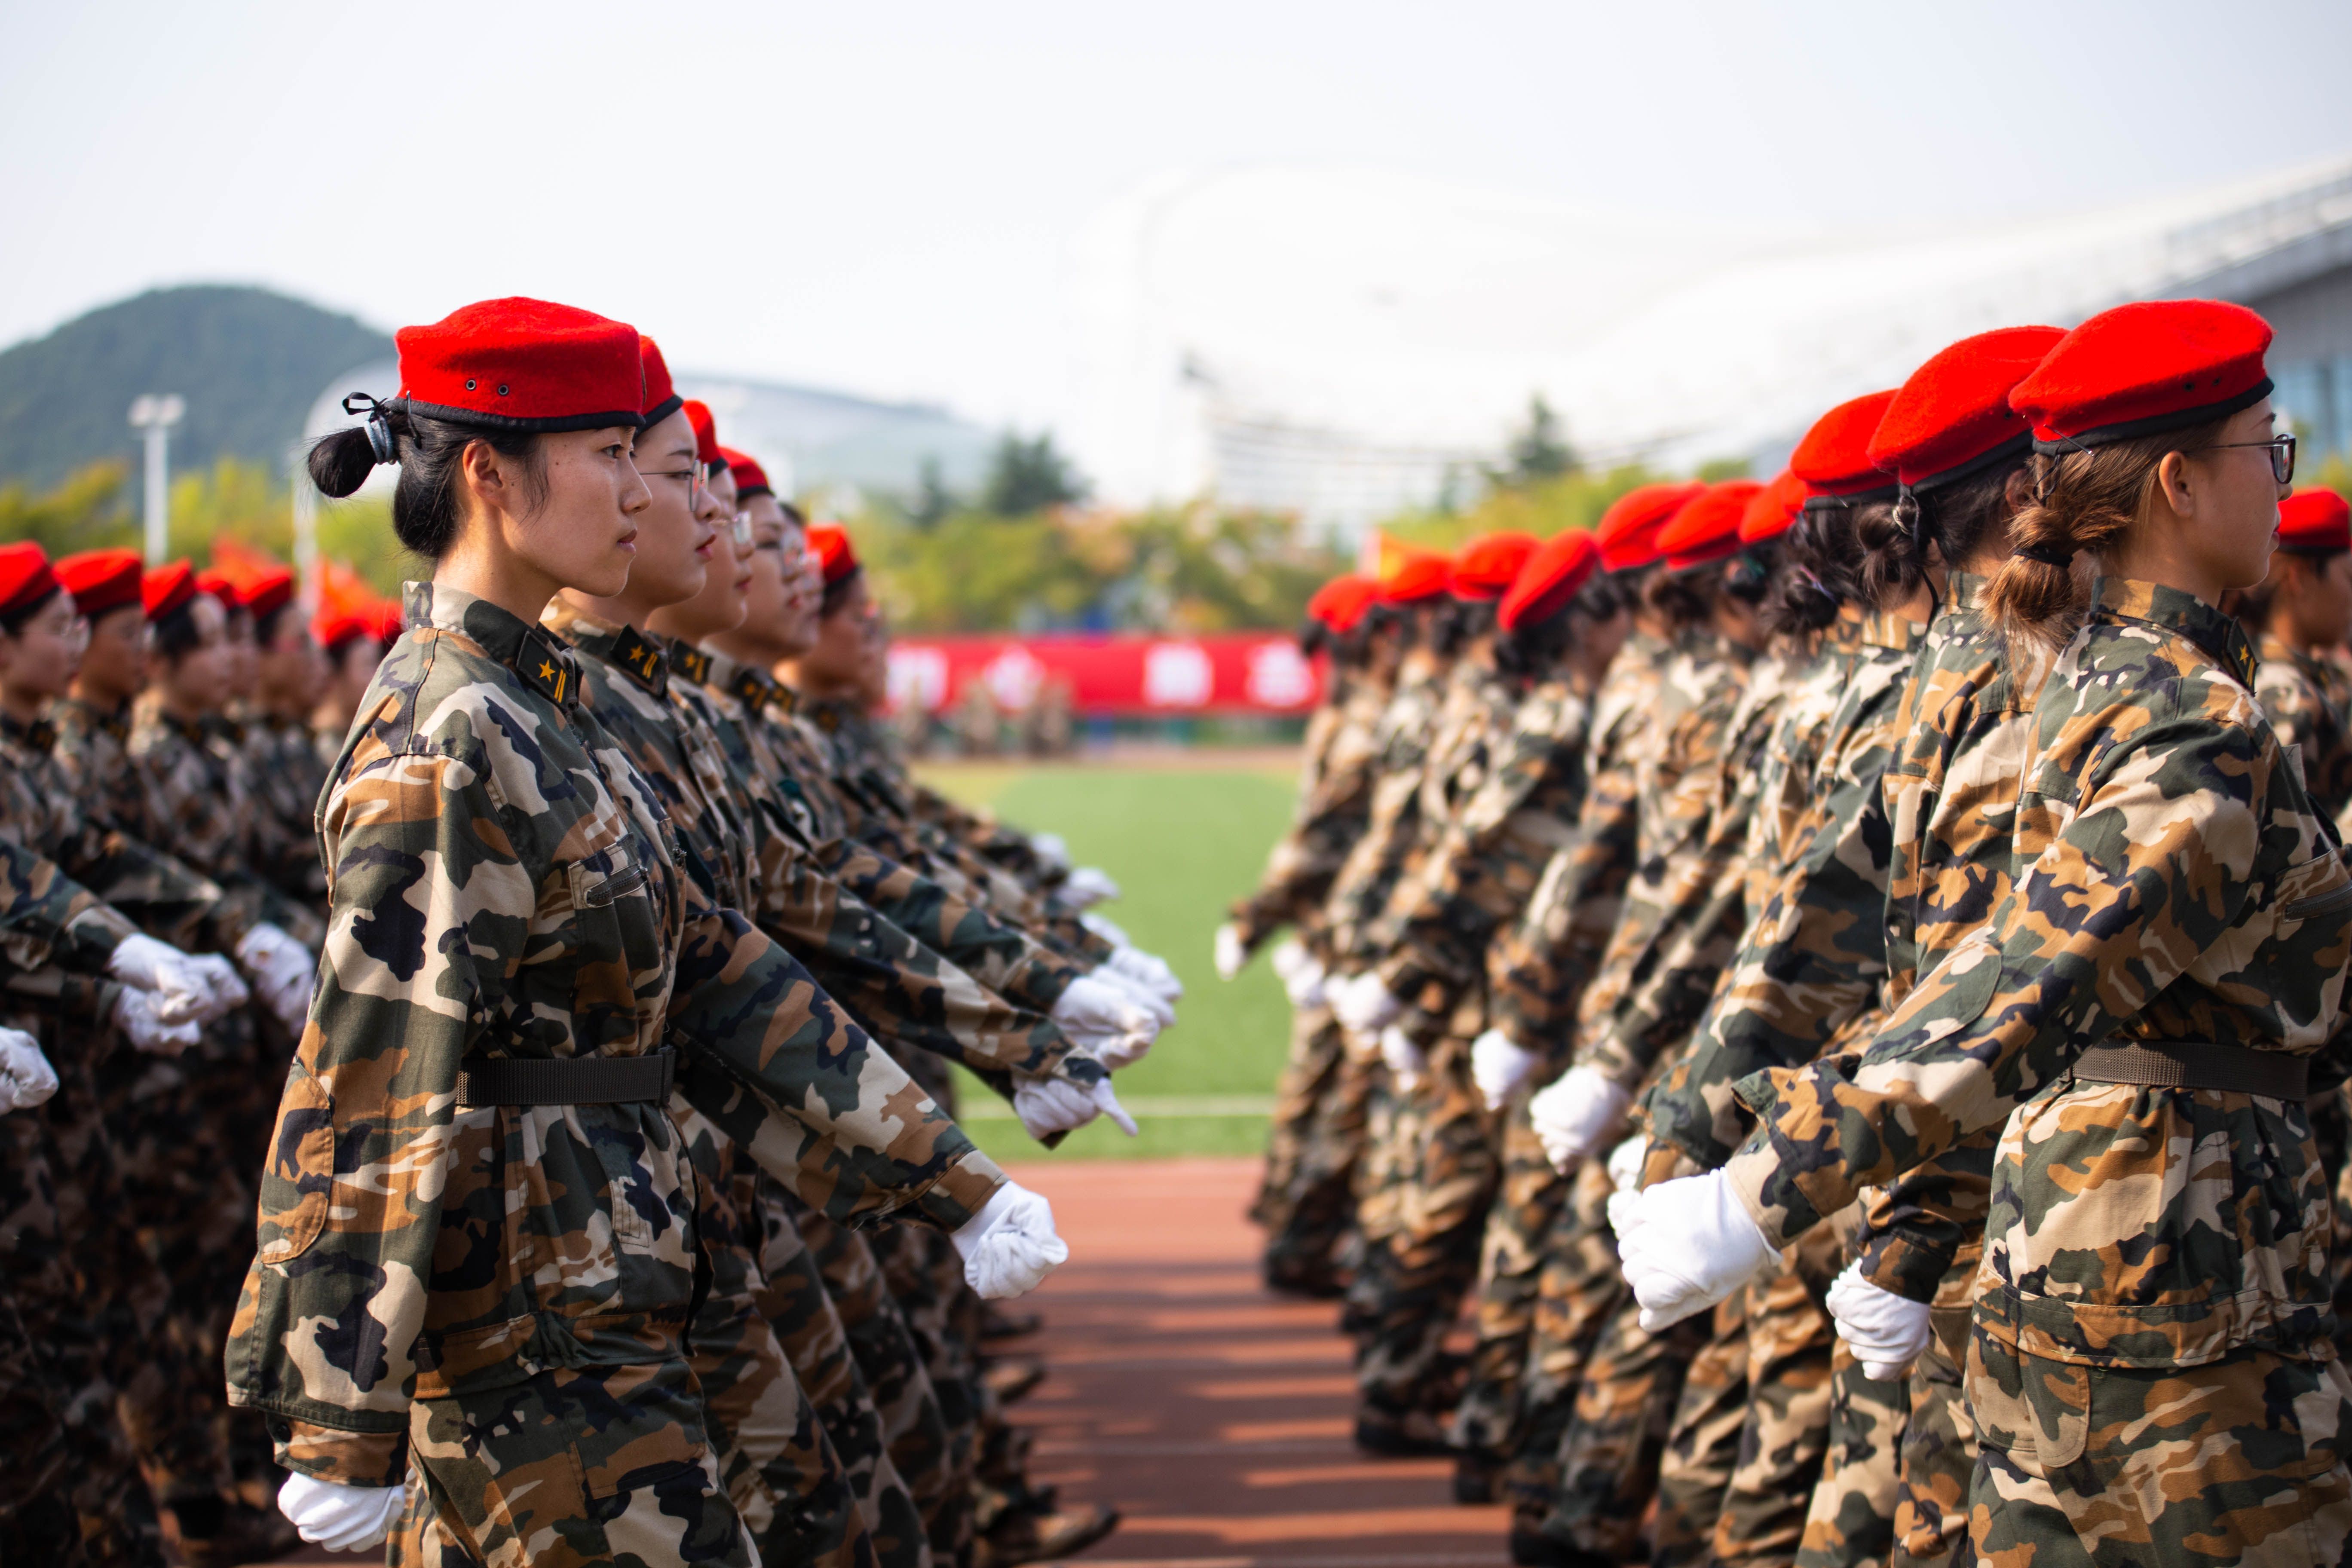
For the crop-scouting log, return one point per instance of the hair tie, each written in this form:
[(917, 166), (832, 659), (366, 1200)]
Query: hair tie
[(1908, 515), (2060, 556), (380, 440)]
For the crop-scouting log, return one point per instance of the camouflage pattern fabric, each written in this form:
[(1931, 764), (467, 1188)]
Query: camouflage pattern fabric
[(925, 1279), (1702, 1445), (2177, 885), (1851, 1524), (2308, 702), (1579, 1288), (1334, 805), (283, 774), (477, 817), (1528, 1199), (114, 786), (1610, 1451), (1785, 1431), (1408, 725), (208, 815), (1312, 1140), (1937, 1461)]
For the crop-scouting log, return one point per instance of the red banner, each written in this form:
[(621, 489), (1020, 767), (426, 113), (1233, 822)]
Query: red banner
[(1106, 675)]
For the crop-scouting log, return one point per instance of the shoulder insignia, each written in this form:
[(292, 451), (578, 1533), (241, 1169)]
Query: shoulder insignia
[(827, 719), (643, 659), (690, 662), (547, 668), (752, 689)]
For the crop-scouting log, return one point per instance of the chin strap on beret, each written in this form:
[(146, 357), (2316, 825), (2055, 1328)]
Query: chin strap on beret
[(2059, 555), (381, 440)]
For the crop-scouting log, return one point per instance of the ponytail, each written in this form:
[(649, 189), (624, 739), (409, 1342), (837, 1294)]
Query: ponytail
[(1817, 572), (429, 451)]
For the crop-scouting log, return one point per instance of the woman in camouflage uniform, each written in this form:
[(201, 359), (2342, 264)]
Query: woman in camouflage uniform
[(2150, 1369), (477, 1242)]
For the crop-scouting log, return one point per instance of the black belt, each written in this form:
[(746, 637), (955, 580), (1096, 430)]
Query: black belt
[(564, 1080), (2199, 1064)]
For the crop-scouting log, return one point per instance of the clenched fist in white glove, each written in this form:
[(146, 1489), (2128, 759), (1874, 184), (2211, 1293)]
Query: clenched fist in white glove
[(1301, 973), (1103, 926), (1886, 1331), (1009, 1246), (1108, 1023), (337, 1517), (1147, 970), (26, 1079), (1052, 851), (1624, 1168), (1087, 886), (283, 969), (188, 989), (1056, 1105), (1231, 954), (135, 1015), (1690, 1246), (1407, 1061), (1575, 1116), (1498, 1066), (1362, 1002)]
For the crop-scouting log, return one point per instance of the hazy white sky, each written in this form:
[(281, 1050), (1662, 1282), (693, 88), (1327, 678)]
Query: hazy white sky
[(881, 198)]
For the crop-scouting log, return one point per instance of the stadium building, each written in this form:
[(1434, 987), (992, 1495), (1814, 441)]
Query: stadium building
[(1346, 342)]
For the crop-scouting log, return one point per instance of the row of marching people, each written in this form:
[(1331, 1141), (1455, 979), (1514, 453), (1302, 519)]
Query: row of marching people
[(1841, 982), (531, 1090)]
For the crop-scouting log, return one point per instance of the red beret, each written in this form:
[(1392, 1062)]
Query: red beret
[(831, 543), (340, 628), (167, 587), (1341, 603), (218, 585), (1628, 531), (383, 620), (1952, 418), (101, 580), (705, 431), (750, 480), (1833, 460), (267, 592), (1771, 509), (1553, 574), (1416, 575), (1707, 527), (2315, 520), (660, 398), (1487, 566), (26, 577), (522, 364), (2143, 368)]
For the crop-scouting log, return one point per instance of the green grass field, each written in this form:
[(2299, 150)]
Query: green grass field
[(1182, 843)]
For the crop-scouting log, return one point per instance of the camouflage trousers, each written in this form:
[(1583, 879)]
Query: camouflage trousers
[(795, 1301), (1579, 1288), (923, 1275), (1852, 1522), (1526, 1212), (37, 1522), (1702, 1446), (571, 1469), (2236, 1461), (1616, 1435), (1936, 1463), (1784, 1437), (915, 1434), (1316, 1139), (1443, 1170)]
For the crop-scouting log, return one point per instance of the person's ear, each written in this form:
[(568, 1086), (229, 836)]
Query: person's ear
[(2017, 490), (484, 476), (2172, 483)]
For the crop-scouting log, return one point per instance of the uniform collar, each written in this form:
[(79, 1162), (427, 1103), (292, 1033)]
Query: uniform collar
[(538, 660), (39, 735), (690, 662), (1843, 633), (753, 688), (2186, 615), (1892, 629), (1965, 591), (640, 658), (116, 723)]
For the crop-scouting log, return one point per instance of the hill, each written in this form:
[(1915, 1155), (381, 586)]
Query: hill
[(249, 362)]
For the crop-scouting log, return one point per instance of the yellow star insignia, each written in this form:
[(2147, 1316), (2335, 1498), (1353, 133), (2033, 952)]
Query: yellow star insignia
[(546, 670)]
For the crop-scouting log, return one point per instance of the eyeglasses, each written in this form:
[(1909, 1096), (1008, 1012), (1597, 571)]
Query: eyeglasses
[(2282, 450), (740, 531), (690, 477)]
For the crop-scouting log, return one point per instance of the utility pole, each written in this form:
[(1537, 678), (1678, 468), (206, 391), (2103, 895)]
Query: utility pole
[(154, 416)]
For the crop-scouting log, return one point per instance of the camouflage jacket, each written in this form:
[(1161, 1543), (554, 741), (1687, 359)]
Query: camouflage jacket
[(2305, 698), (1814, 951), (114, 786), (868, 764), (1407, 729), (1536, 972), (897, 989), (1494, 848), (505, 883), (52, 927), (208, 816), (1334, 801), (2175, 885), (283, 774), (1678, 786)]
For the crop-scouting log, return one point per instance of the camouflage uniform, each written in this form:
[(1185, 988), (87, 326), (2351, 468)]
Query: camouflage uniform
[(114, 787), (284, 774), (2305, 699), (2177, 887), (496, 1292)]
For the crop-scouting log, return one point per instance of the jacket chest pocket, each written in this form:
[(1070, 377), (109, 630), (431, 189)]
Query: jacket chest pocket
[(610, 919), (2297, 965)]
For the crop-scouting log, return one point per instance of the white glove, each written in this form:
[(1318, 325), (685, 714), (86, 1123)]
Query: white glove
[(1051, 849), (1147, 969), (337, 1517), (1231, 954), (1625, 1162), (1135, 991), (283, 969), (1691, 1245), (1087, 886), (26, 1079), (1886, 1331), (1103, 926), (1576, 1115), (1009, 1246), (1105, 1021), (135, 1015), (1301, 973), (188, 990), (1498, 1066), (1057, 1105), (1363, 1004), (1407, 1061)]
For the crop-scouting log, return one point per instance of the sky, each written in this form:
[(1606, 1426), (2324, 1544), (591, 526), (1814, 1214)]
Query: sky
[(883, 199)]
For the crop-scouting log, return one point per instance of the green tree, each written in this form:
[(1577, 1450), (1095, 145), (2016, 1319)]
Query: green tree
[(90, 511), (1717, 470), (1028, 477), (1539, 451), (934, 501)]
